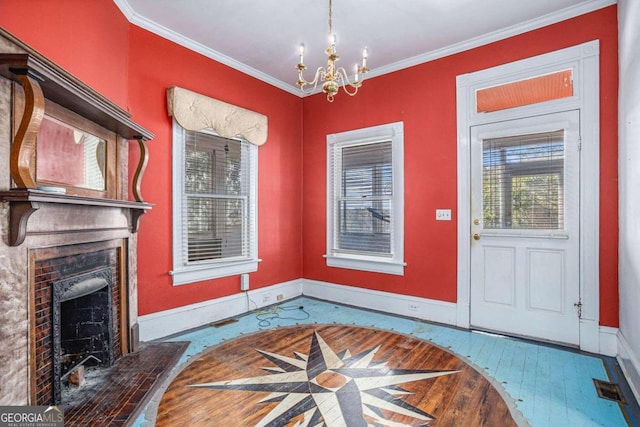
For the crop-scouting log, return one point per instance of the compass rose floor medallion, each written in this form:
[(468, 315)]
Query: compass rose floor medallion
[(333, 376)]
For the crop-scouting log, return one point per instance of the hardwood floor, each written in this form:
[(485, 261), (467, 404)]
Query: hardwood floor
[(330, 375)]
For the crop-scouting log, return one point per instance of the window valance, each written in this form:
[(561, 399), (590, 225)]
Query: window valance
[(195, 112)]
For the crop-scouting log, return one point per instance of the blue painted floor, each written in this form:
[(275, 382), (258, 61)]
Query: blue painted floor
[(550, 386)]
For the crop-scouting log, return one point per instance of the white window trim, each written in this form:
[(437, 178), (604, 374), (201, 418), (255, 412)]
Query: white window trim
[(378, 264), (183, 274)]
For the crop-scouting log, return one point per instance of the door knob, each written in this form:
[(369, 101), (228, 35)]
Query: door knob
[(476, 236), (476, 221)]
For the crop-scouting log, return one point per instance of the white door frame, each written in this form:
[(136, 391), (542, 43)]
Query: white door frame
[(583, 59)]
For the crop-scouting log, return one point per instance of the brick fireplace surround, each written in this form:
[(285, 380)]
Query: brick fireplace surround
[(52, 267), (58, 234)]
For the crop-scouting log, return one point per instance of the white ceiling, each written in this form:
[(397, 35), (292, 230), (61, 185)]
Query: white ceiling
[(261, 37)]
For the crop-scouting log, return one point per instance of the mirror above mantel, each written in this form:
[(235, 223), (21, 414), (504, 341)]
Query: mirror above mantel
[(67, 143)]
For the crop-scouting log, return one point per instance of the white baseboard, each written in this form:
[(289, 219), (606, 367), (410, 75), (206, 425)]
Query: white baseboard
[(168, 322), (403, 305), (608, 338), (630, 364)]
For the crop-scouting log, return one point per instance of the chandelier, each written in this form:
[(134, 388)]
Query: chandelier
[(332, 77)]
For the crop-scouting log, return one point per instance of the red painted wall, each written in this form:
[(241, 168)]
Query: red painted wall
[(94, 41), (133, 68), (155, 65), (90, 39), (424, 98)]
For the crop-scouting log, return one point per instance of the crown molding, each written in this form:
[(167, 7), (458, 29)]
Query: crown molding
[(533, 24), (154, 27), (125, 8)]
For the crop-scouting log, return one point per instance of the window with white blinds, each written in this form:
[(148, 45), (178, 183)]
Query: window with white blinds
[(364, 204), (365, 199), (523, 182), (214, 206)]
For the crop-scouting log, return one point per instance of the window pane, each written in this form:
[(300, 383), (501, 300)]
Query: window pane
[(216, 191), (364, 226), (364, 204), (523, 182), (525, 92), (367, 170), (198, 170)]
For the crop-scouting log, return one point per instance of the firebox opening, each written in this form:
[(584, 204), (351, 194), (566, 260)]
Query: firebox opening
[(83, 326), (84, 331)]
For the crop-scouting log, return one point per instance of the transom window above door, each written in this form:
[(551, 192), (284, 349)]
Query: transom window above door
[(532, 90)]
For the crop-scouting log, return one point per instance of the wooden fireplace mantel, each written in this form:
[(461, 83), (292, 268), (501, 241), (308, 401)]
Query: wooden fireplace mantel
[(24, 202), (42, 79)]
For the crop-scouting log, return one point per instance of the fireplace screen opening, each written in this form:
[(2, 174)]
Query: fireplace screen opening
[(83, 325)]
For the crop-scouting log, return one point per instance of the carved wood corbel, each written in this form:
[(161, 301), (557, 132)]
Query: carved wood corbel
[(18, 218), (24, 144), (142, 166)]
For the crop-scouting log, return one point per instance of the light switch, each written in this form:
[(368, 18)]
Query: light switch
[(443, 214)]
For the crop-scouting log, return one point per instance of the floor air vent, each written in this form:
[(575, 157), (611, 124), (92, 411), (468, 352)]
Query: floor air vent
[(607, 390)]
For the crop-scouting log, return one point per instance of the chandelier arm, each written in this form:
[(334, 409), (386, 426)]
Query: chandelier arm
[(341, 76), (302, 82)]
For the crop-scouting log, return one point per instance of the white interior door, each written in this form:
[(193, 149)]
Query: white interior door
[(525, 227)]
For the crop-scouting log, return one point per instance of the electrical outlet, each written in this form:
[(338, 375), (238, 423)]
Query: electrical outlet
[(279, 297), (267, 298), (443, 214), (414, 307)]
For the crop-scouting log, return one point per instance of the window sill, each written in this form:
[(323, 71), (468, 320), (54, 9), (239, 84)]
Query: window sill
[(198, 273), (366, 264)]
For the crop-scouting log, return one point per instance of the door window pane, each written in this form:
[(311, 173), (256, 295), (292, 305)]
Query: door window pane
[(523, 182)]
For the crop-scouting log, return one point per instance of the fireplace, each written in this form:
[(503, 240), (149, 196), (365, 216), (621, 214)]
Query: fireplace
[(78, 313), (68, 249)]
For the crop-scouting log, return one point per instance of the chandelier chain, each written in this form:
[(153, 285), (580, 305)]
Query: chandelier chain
[(330, 19)]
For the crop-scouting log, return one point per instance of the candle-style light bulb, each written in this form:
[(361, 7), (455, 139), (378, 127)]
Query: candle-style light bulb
[(332, 42), (301, 53), (355, 72), (365, 55)]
